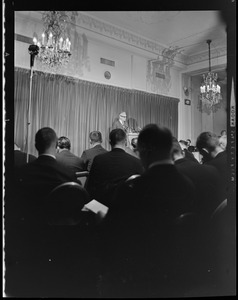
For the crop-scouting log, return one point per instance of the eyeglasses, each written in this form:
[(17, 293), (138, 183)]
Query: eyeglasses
[(122, 116)]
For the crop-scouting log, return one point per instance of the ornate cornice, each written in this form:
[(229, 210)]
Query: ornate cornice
[(117, 33), (204, 56)]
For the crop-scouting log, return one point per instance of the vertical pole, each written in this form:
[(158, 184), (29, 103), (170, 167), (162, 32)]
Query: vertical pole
[(29, 114)]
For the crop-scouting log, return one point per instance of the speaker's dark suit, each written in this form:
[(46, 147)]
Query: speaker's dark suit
[(139, 251), (207, 182), (108, 170), (70, 160), (89, 154), (117, 124)]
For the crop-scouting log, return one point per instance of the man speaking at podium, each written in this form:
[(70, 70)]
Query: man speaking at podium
[(130, 127), (121, 122)]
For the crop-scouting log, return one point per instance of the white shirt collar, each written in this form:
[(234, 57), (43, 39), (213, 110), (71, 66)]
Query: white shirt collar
[(46, 154), (161, 162)]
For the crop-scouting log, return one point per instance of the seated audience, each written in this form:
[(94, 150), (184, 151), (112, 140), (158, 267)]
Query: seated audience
[(139, 254), (223, 142), (134, 146), (66, 157), (223, 132), (188, 154), (189, 146), (110, 169), (205, 178), (132, 151), (208, 142), (20, 157), (38, 178), (95, 139)]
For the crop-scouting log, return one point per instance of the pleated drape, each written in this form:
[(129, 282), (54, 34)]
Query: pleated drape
[(74, 108)]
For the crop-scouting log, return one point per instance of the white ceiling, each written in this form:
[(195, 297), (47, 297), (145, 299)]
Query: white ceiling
[(187, 30)]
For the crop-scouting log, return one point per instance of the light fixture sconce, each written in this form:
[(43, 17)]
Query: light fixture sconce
[(186, 91)]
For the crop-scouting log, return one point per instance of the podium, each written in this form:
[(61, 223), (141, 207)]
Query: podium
[(130, 136)]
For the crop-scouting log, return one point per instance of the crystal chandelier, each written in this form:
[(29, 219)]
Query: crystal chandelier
[(54, 46), (210, 91)]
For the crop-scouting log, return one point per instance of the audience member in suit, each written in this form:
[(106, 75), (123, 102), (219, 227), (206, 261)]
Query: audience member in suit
[(208, 142), (188, 154), (95, 139), (66, 157), (38, 178), (205, 178), (110, 169), (55, 259), (189, 146), (223, 141), (223, 132), (138, 250), (20, 157), (133, 151)]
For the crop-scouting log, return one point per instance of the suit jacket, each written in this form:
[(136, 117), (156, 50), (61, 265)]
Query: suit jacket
[(221, 164), (138, 246), (36, 180), (70, 160), (189, 155), (108, 170), (89, 154), (131, 152), (20, 158), (207, 182)]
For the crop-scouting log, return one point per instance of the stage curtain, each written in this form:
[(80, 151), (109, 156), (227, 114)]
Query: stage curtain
[(74, 107)]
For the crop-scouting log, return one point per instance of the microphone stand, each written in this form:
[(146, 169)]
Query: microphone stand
[(33, 51)]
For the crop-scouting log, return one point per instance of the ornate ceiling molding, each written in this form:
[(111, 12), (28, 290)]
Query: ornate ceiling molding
[(216, 53), (114, 32)]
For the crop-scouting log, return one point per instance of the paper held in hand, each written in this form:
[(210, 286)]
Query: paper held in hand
[(95, 207)]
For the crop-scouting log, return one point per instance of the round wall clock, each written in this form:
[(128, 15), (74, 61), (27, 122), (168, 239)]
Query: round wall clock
[(107, 75)]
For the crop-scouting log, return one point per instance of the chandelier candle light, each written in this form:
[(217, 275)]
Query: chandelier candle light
[(210, 91), (54, 50)]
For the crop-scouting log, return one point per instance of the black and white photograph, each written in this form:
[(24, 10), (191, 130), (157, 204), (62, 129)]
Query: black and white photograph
[(119, 151)]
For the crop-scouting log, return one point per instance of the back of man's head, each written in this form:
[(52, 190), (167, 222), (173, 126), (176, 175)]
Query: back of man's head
[(154, 143), (45, 140), (208, 141), (95, 137), (117, 137), (64, 143)]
